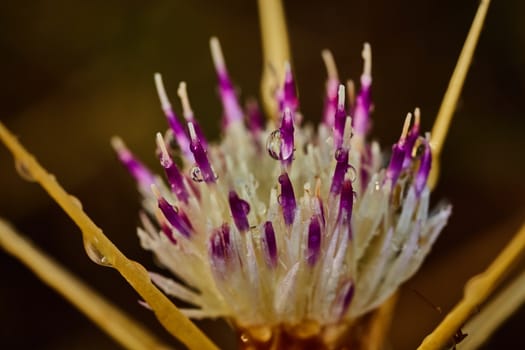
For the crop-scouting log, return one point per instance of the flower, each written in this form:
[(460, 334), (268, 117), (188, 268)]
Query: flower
[(282, 223)]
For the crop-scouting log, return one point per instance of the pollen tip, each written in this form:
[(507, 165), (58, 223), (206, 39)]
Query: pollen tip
[(367, 57), (406, 126), (417, 116), (164, 157), (216, 53), (155, 191), (350, 92), (161, 91), (341, 97), (183, 95), (191, 130), (329, 62), (117, 144)]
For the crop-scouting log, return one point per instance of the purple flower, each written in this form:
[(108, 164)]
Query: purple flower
[(313, 229)]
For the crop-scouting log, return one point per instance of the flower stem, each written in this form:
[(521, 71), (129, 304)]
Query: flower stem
[(450, 100), (477, 290), (107, 316), (134, 273), (481, 327)]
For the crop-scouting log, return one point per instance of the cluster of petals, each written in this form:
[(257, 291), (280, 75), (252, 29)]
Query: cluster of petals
[(280, 222)]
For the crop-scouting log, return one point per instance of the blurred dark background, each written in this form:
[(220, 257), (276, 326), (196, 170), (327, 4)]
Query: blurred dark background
[(74, 73)]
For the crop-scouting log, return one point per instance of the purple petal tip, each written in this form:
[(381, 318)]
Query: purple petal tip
[(287, 199)]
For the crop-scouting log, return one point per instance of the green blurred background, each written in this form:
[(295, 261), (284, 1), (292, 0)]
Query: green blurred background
[(74, 73)]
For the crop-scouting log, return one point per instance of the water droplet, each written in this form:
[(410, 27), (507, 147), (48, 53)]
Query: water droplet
[(340, 154), (273, 144), (244, 338), (418, 149), (23, 171), (245, 207), (75, 200), (351, 173), (94, 254), (196, 174)]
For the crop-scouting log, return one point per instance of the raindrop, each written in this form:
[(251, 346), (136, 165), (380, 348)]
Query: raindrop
[(196, 174), (76, 201), (340, 154), (94, 254), (23, 171), (273, 144), (244, 338), (418, 149), (351, 173), (245, 207)]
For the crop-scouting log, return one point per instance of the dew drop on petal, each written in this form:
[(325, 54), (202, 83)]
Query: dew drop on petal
[(23, 171), (273, 144), (351, 173), (94, 254), (75, 200), (196, 174), (245, 207), (418, 150), (244, 338), (339, 154)]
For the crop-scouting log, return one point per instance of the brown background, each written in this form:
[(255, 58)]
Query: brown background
[(74, 73)]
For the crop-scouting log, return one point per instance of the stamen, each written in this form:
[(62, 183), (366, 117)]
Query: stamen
[(172, 215), (216, 54), (340, 118), (329, 62), (398, 153), (367, 58), (289, 95), (184, 99), (332, 85), (314, 241), (188, 112), (140, 173), (287, 199), (287, 137), (412, 138), (269, 244), (406, 126), (199, 154), (348, 294), (240, 210), (341, 156), (175, 125), (424, 168), (164, 226), (350, 92), (230, 104), (172, 171), (346, 204), (363, 102), (220, 248)]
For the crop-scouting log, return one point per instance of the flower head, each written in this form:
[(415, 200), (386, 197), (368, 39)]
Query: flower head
[(284, 223)]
